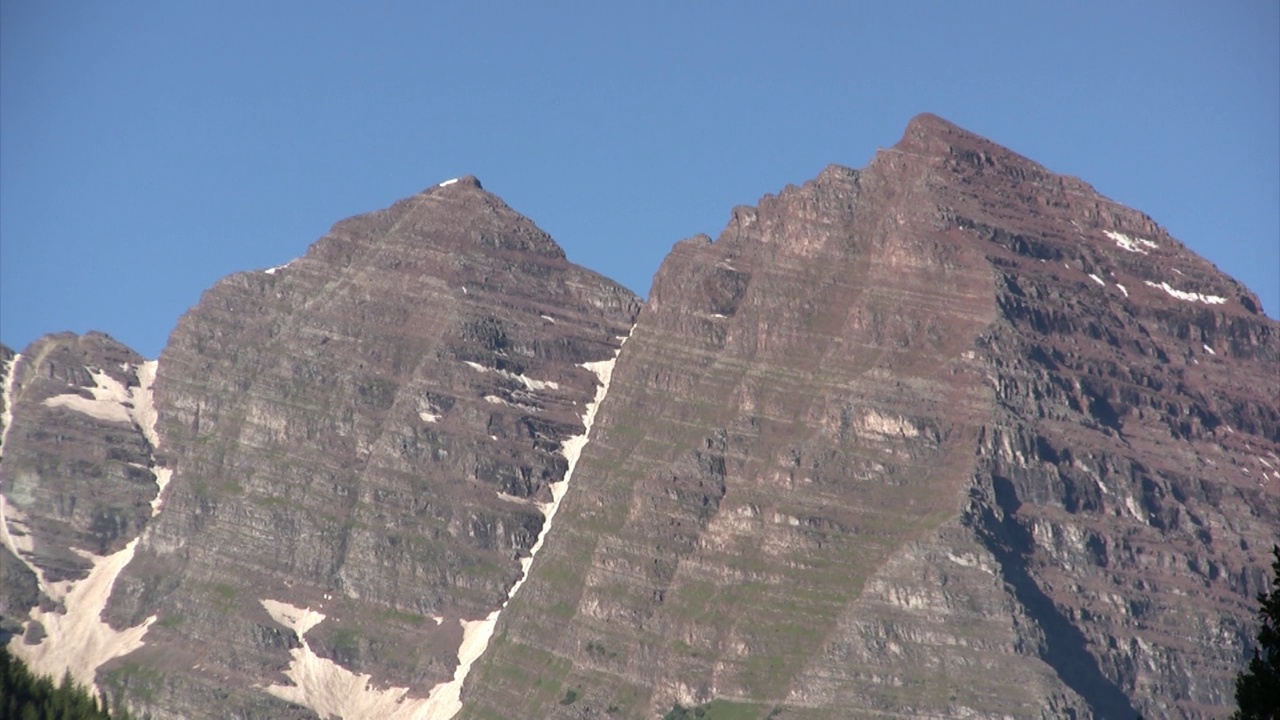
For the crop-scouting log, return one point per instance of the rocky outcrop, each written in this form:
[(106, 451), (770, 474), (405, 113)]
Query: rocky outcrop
[(949, 436)]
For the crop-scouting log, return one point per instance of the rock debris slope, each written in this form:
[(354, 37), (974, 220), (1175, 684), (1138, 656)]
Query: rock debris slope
[(950, 436), (947, 436)]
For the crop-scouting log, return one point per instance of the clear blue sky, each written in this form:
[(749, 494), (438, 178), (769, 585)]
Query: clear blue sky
[(147, 149)]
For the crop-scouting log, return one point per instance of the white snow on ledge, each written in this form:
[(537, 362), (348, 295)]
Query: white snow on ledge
[(274, 270), (529, 383), (1097, 280), (1130, 244), (447, 183), (108, 402), (1122, 289), (1188, 296)]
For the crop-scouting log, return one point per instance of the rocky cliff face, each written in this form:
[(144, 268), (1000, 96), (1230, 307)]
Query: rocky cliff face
[(948, 436), (370, 434), (77, 433)]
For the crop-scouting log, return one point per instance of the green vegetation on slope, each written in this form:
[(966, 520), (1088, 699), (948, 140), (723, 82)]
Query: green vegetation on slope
[(718, 710)]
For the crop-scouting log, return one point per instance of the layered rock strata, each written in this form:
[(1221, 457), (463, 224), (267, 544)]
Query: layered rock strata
[(80, 481), (369, 435), (949, 436)]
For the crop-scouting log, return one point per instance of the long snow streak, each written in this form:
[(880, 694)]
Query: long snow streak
[(445, 700), (20, 544), (76, 639), (6, 415), (330, 689)]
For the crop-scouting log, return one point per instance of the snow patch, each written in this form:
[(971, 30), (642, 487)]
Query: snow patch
[(327, 687), (277, 268), (78, 641), (548, 318), (1097, 280), (529, 383), (1209, 349), (1134, 509), (1130, 244), (107, 403), (1188, 296), (447, 183), (429, 417), (1122, 289)]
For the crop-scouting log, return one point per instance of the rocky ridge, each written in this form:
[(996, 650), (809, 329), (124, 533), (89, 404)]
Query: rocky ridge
[(947, 436)]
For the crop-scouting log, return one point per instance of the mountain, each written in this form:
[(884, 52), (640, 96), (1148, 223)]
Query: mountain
[(946, 436)]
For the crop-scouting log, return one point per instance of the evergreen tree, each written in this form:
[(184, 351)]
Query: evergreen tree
[(25, 696), (1258, 687)]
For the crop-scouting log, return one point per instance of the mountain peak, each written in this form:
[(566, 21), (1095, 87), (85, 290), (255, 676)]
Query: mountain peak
[(466, 181), (930, 135), (951, 367), (927, 132)]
